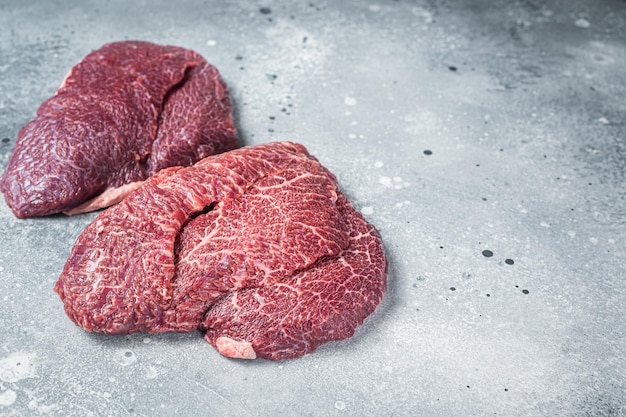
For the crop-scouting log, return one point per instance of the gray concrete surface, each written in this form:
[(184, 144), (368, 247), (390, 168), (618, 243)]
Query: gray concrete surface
[(521, 106)]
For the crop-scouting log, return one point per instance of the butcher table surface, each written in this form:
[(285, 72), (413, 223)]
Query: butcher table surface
[(486, 140)]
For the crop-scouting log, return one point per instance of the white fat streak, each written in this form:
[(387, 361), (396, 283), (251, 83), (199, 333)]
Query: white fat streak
[(241, 349)]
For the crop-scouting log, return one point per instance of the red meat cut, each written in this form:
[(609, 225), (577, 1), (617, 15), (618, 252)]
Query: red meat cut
[(257, 247), (126, 111)]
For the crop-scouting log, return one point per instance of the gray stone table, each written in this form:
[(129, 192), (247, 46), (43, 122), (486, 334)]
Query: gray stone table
[(485, 139)]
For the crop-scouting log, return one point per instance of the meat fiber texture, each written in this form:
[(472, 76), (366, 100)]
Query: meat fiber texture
[(126, 111), (256, 247)]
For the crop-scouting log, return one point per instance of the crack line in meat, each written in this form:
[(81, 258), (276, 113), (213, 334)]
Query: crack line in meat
[(166, 98), (205, 210)]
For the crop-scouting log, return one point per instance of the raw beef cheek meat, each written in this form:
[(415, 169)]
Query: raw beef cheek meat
[(257, 247), (126, 111)]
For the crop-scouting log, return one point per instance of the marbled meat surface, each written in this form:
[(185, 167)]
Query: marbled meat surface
[(126, 111), (257, 247)]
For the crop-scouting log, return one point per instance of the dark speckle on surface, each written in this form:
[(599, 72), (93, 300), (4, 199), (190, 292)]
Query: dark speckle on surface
[(509, 261), (265, 10), (428, 152), (5, 140), (487, 253)]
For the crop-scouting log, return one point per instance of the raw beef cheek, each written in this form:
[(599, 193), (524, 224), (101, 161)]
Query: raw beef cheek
[(256, 246), (126, 111)]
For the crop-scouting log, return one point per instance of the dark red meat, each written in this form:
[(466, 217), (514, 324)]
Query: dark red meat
[(257, 246), (126, 111)]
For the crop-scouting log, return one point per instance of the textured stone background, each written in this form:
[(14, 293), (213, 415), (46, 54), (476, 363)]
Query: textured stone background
[(461, 129)]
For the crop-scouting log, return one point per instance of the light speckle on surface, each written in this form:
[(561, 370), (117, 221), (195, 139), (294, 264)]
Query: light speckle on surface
[(41, 409), (17, 366), (582, 23), (340, 405), (367, 210), (386, 181), (396, 182), (151, 372), (125, 357), (211, 42), (349, 101), (7, 398)]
